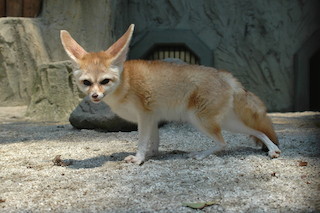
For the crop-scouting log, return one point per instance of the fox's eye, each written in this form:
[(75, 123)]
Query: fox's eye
[(104, 81), (87, 83)]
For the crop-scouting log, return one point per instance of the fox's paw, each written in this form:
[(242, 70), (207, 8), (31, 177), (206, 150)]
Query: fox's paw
[(198, 155), (274, 153), (134, 159)]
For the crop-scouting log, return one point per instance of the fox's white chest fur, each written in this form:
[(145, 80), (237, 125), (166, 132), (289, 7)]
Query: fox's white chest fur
[(131, 112), (148, 92), (125, 110)]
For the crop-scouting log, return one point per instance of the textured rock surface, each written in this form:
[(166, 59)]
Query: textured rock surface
[(92, 23), (255, 40), (21, 51), (89, 115), (55, 93)]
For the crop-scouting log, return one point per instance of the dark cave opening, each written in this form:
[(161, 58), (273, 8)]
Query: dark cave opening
[(314, 86)]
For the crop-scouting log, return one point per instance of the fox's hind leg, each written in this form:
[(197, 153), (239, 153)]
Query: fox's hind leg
[(232, 123), (213, 130)]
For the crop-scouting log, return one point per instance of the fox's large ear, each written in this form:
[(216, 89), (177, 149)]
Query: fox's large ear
[(118, 51), (73, 49)]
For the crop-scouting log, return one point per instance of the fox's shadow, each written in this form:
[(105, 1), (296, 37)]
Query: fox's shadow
[(95, 162), (98, 161)]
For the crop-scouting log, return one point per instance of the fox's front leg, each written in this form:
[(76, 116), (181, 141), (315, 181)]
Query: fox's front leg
[(148, 140)]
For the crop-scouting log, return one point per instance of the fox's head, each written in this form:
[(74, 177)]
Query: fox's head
[(99, 72)]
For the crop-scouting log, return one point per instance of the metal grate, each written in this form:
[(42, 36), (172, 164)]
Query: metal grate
[(179, 51)]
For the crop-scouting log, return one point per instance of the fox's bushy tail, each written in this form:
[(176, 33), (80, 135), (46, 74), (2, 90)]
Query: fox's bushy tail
[(252, 112)]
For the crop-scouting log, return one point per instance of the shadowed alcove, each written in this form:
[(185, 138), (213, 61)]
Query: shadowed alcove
[(161, 44), (307, 75)]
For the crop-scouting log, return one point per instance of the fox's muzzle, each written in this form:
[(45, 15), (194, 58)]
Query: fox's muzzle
[(96, 98)]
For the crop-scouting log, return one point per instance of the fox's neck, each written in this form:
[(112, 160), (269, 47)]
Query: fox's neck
[(123, 89)]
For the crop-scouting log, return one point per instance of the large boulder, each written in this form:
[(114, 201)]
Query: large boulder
[(89, 115), (55, 93), (21, 51)]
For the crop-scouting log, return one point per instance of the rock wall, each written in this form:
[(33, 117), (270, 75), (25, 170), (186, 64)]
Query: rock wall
[(55, 93), (255, 40), (92, 23), (21, 52)]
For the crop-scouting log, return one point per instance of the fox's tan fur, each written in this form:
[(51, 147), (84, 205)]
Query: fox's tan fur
[(147, 92), (252, 112)]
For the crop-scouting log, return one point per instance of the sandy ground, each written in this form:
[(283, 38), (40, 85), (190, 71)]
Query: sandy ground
[(240, 179)]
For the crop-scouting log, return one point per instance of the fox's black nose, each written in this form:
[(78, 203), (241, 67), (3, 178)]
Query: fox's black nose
[(94, 95)]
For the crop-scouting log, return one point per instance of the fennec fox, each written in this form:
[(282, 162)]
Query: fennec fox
[(146, 92)]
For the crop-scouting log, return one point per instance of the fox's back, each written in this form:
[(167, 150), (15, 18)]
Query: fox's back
[(173, 89), (163, 76)]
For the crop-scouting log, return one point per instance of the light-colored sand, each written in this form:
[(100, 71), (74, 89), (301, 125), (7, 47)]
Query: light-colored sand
[(240, 179)]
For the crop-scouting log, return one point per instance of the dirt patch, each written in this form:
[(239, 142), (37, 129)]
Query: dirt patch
[(240, 179)]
